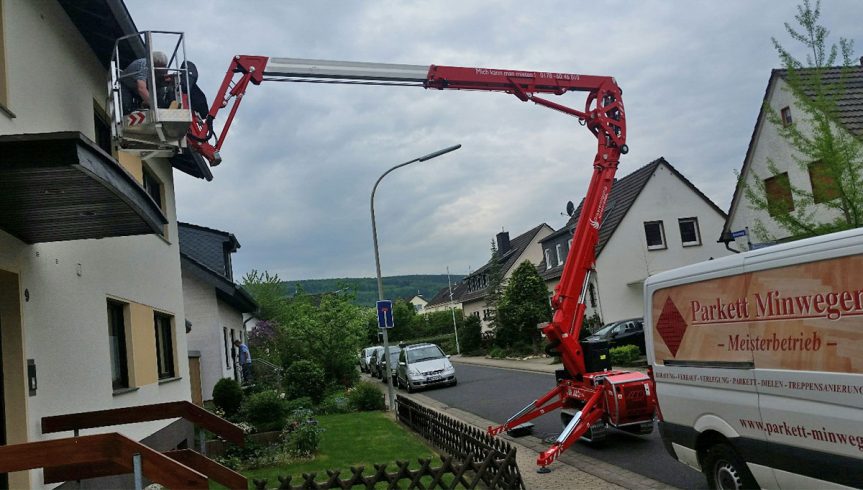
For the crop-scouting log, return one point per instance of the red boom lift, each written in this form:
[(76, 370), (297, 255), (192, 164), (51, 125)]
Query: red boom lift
[(595, 395)]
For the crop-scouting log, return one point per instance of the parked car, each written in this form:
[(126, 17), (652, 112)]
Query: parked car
[(366, 355), (383, 365), (620, 333), (424, 365)]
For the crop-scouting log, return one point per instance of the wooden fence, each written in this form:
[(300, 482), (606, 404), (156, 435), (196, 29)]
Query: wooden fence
[(475, 460)]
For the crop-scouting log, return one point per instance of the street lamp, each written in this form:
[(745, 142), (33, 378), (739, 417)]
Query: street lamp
[(436, 154)]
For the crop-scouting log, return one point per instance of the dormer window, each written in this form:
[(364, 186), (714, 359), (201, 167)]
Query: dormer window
[(548, 259)]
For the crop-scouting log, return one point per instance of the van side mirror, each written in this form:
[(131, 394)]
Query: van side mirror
[(448, 356)]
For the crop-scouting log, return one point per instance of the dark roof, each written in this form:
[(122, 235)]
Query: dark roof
[(624, 193), (850, 116), (208, 246), (442, 296), (507, 261)]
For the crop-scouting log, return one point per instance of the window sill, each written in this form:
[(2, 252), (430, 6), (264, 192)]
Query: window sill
[(693, 244), (169, 380), (655, 248), (123, 391)]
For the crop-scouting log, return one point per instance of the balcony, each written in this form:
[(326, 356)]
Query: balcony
[(61, 186)]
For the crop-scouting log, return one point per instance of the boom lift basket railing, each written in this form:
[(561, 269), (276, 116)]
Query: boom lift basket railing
[(143, 127)]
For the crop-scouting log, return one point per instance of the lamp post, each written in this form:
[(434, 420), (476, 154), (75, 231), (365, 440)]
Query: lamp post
[(452, 310), (436, 154)]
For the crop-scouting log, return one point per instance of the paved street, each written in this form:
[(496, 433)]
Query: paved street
[(495, 394)]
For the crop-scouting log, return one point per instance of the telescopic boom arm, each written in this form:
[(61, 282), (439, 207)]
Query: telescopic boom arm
[(603, 114)]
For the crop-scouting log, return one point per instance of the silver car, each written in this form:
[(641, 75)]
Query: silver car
[(424, 365), (366, 355)]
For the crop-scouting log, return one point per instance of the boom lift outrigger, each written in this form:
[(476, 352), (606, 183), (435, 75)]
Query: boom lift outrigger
[(598, 395)]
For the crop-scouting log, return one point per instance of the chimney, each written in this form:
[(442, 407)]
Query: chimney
[(503, 245)]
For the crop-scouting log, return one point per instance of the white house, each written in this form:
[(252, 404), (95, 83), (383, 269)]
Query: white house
[(767, 143), (472, 291), (215, 305), (91, 295), (655, 220), (441, 300), (419, 303)]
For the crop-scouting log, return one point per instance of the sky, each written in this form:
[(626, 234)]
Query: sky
[(301, 159)]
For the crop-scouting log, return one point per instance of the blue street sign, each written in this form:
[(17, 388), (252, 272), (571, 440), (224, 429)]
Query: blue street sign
[(385, 314), (738, 233)]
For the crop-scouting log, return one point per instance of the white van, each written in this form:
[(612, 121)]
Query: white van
[(758, 362)]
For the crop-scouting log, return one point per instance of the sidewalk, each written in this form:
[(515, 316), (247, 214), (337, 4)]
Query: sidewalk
[(569, 471)]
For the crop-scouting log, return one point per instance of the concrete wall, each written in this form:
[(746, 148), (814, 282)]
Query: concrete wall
[(625, 261)]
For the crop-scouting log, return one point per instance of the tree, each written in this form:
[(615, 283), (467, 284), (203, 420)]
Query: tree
[(494, 286), (524, 305), (829, 153), (327, 330), (470, 335), (267, 291)]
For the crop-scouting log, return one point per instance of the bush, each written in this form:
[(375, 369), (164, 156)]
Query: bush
[(304, 379), (497, 353), (299, 404), (302, 434), (266, 410), (366, 397), (334, 403), (470, 335), (228, 395), (623, 355)]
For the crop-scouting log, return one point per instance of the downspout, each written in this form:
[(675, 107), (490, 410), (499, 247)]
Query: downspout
[(726, 238)]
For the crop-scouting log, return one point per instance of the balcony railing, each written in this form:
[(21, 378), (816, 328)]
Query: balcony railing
[(92, 456)]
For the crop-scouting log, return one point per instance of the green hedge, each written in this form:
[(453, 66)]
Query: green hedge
[(446, 342), (624, 355)]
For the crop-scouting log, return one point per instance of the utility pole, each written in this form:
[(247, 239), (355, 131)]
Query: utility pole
[(452, 310)]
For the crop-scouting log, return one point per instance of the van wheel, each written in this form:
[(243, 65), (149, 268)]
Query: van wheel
[(725, 470)]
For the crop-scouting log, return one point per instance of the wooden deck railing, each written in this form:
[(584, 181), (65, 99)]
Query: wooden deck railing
[(144, 413), (108, 454), (84, 457)]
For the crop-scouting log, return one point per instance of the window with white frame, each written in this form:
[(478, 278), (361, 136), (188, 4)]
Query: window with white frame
[(690, 236), (548, 258), (559, 249), (655, 235)]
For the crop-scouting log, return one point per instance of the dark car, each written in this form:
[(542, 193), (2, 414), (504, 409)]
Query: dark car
[(620, 333), (383, 365)]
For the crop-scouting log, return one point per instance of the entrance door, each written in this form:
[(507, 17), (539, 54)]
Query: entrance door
[(195, 380)]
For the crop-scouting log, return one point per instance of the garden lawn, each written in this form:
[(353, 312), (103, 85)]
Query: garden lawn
[(353, 439)]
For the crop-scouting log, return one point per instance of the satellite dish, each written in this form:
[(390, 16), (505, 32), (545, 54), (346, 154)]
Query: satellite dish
[(570, 208)]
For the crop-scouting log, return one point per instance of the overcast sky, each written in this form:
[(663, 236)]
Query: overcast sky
[(301, 159)]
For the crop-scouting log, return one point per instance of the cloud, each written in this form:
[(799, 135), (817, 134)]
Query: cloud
[(301, 159)]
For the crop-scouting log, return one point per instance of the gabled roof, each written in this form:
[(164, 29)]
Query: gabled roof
[(624, 193), (209, 247), (849, 116), (507, 261), (226, 290)]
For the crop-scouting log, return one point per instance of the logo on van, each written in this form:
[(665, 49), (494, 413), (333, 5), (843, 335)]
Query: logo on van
[(671, 326)]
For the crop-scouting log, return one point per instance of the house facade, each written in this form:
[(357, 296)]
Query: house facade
[(214, 304), (473, 290), (441, 301), (91, 295), (655, 220), (767, 144)]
